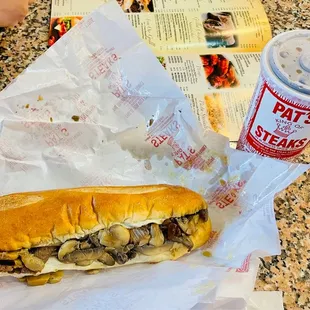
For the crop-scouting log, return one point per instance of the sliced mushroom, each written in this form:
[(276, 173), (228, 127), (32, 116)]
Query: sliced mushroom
[(84, 263), (150, 250), (188, 226), (83, 255), (104, 237), (183, 223), (68, 247), (115, 237), (204, 214), (128, 248), (86, 244), (121, 233), (175, 234), (93, 238), (32, 262), (140, 236), (55, 277), (107, 259), (45, 252), (157, 236), (119, 256), (132, 254), (185, 240)]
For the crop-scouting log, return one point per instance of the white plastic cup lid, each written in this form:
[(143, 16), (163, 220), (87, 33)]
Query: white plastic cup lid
[(289, 57)]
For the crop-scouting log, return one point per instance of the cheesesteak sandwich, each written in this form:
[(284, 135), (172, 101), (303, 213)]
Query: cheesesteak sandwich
[(90, 228)]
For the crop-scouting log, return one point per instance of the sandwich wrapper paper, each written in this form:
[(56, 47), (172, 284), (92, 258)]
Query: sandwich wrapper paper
[(98, 109)]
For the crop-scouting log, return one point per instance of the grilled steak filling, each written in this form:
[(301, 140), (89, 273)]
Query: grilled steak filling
[(116, 245)]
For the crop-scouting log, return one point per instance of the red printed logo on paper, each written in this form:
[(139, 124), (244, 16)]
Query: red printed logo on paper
[(165, 130), (227, 193), (245, 265), (279, 128), (100, 62)]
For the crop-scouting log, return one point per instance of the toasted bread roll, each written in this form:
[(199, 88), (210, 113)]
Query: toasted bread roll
[(98, 227)]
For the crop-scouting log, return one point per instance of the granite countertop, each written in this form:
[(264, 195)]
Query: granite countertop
[(289, 272)]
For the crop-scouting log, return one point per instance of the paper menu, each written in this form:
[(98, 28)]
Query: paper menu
[(187, 27), (183, 35)]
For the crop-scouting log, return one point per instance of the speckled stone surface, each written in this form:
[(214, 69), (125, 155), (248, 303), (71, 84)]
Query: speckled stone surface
[(289, 272)]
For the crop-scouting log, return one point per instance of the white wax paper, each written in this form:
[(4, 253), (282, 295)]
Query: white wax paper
[(257, 301), (98, 109)]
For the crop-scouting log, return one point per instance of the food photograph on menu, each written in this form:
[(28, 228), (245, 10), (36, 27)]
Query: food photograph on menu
[(136, 6), (219, 71), (220, 30)]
